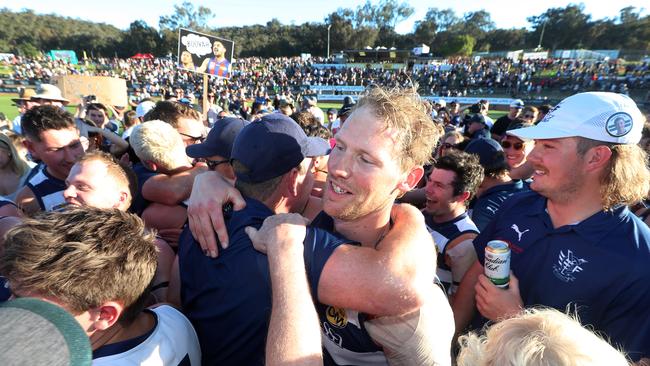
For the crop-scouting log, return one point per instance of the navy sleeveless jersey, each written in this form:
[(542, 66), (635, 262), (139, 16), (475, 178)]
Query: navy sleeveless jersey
[(442, 234), (47, 189)]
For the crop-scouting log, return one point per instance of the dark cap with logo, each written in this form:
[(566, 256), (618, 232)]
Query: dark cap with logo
[(220, 139), (272, 146)]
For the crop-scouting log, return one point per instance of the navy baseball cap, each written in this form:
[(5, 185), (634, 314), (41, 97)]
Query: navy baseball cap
[(220, 139), (272, 146), (488, 150)]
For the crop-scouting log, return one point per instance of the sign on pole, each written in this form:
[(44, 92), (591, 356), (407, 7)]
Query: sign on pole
[(205, 54)]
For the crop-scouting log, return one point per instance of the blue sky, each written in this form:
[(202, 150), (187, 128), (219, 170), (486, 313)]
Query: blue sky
[(120, 13)]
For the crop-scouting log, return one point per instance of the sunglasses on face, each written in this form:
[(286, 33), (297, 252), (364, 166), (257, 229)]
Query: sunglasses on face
[(531, 116), (447, 145), (515, 145), (195, 139), (213, 164)]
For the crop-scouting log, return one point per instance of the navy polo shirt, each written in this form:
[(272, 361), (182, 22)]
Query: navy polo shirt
[(228, 298), (601, 266), (486, 206), (143, 174)]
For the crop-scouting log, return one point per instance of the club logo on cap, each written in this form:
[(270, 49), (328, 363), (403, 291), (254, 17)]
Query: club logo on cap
[(619, 124)]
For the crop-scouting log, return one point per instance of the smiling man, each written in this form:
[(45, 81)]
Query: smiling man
[(450, 187), (573, 240), (52, 137)]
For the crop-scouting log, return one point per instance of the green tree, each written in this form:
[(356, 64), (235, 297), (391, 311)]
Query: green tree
[(186, 16), (563, 27)]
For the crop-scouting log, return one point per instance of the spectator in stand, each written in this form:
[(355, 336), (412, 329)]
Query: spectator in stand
[(502, 123)]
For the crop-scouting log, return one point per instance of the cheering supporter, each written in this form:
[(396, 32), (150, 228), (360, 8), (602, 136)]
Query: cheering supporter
[(573, 224), (516, 151), (450, 187), (98, 265), (51, 136)]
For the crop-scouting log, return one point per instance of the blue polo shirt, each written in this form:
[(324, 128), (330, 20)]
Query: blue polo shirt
[(486, 206), (228, 298), (601, 266)]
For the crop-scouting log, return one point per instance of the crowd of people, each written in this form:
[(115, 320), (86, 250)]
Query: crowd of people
[(286, 235), (285, 76)]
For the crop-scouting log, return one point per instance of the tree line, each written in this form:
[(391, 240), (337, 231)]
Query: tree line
[(447, 33)]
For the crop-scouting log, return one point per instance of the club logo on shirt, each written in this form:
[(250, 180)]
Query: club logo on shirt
[(337, 317), (568, 265), (619, 124), (519, 233)]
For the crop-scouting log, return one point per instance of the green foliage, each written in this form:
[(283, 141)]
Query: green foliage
[(371, 24)]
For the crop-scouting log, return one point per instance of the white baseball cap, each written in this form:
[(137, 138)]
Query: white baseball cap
[(143, 108), (441, 102), (600, 116)]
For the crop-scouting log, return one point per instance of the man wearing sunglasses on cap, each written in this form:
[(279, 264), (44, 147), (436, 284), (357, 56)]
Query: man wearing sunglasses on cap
[(516, 151)]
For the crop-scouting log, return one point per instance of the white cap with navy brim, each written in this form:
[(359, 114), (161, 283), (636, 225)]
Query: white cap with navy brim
[(600, 116)]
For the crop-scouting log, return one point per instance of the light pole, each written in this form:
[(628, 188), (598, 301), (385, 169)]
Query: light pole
[(328, 40)]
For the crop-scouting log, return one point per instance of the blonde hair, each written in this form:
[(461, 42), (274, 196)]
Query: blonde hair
[(81, 257), (626, 179), (537, 337), (17, 164), (405, 112), (158, 142)]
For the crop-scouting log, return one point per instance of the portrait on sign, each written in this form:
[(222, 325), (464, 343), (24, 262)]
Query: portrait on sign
[(205, 54)]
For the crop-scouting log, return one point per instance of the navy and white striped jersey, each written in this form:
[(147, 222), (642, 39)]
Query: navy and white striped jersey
[(442, 234), (47, 189)]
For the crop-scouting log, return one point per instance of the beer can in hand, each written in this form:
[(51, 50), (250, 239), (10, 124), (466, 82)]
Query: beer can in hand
[(497, 263)]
